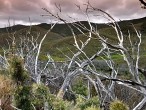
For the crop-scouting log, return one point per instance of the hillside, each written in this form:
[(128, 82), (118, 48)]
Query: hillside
[(61, 37)]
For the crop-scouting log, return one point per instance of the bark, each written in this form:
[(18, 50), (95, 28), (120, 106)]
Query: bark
[(66, 83), (141, 104)]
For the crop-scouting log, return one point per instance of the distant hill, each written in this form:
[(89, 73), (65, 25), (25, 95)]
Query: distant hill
[(61, 38), (64, 30), (133, 21), (61, 29), (12, 28)]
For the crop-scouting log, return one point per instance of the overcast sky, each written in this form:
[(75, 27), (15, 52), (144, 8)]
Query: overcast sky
[(19, 11)]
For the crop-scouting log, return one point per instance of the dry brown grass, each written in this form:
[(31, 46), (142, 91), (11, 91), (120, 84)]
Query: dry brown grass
[(6, 90)]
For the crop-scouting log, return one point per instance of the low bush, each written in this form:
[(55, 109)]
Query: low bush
[(118, 105), (92, 108), (7, 88), (80, 88), (92, 102), (23, 98), (17, 72)]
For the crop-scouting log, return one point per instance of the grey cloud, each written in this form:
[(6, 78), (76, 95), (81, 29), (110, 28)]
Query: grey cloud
[(21, 10), (129, 10)]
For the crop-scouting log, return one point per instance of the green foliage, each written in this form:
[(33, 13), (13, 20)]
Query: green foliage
[(37, 95), (92, 108), (41, 95), (92, 102), (40, 89), (17, 72), (59, 104), (80, 88), (118, 105), (22, 97)]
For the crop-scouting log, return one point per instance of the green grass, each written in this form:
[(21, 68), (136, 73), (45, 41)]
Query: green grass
[(58, 58)]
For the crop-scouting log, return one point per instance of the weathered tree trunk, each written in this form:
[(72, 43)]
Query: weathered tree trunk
[(66, 82)]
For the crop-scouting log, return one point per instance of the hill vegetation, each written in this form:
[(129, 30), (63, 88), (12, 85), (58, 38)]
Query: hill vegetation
[(60, 37), (63, 69)]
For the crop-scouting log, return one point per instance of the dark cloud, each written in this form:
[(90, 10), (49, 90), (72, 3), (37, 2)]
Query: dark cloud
[(21, 10)]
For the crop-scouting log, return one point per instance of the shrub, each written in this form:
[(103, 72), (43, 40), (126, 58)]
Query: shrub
[(59, 104), (41, 95), (92, 102), (6, 86), (118, 105), (92, 108), (80, 88), (23, 98), (80, 99), (17, 72)]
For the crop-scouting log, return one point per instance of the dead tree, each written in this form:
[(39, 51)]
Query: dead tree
[(30, 51), (86, 67), (143, 4)]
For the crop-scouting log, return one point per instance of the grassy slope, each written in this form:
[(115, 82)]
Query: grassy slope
[(61, 38)]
